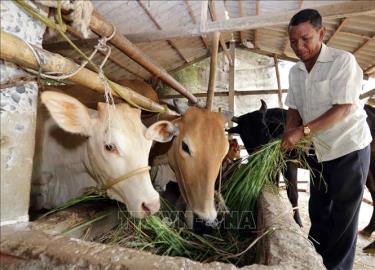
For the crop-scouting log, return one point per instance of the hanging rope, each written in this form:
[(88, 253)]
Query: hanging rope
[(102, 46), (61, 28)]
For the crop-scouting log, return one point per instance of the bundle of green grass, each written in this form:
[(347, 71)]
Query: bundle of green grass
[(166, 233)]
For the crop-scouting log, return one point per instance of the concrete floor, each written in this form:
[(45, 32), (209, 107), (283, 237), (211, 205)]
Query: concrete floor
[(363, 261)]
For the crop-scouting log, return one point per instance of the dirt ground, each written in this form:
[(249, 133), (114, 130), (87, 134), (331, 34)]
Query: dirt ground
[(363, 261)]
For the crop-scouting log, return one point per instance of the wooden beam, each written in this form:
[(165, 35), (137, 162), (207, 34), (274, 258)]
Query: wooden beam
[(370, 70), (286, 41), (212, 78), (268, 53), (232, 74), (226, 93), (338, 10), (204, 11), (158, 26), (124, 66), (86, 43), (300, 4), (338, 29), (103, 28), (15, 50), (214, 17), (242, 14), (285, 44), (192, 16), (198, 59), (279, 92), (363, 45), (356, 35), (257, 11), (64, 45)]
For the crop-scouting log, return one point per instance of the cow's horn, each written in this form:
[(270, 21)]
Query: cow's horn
[(263, 108)]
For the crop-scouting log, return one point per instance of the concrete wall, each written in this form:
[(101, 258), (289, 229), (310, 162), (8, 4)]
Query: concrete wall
[(18, 116), (252, 72), (39, 245)]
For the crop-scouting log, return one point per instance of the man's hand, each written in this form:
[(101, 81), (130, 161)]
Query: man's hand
[(291, 137)]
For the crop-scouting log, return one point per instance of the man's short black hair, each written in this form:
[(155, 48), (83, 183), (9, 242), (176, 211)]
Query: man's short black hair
[(307, 15)]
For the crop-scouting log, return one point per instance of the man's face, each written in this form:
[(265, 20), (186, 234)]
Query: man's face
[(305, 40)]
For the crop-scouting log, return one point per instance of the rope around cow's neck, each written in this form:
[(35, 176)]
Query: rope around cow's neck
[(115, 181)]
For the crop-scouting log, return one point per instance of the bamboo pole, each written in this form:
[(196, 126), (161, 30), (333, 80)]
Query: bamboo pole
[(232, 74), (103, 28), (226, 93), (213, 63), (279, 93), (15, 50)]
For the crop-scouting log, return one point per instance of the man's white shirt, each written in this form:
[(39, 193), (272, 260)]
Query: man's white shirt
[(336, 78)]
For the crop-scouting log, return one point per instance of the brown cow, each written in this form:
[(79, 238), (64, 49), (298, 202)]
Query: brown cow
[(195, 154)]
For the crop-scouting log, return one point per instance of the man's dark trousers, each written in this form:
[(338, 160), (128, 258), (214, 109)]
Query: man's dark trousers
[(334, 206)]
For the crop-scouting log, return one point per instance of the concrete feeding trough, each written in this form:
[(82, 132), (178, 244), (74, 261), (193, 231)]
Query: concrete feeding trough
[(40, 245)]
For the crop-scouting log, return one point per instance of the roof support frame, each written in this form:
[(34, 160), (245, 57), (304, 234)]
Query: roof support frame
[(286, 41), (338, 29), (192, 16), (257, 11), (214, 17), (170, 42), (241, 11), (363, 45), (338, 10)]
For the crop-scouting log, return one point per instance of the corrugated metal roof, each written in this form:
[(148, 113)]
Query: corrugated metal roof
[(129, 17)]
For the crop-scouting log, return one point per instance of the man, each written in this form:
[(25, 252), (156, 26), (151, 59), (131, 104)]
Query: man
[(323, 101)]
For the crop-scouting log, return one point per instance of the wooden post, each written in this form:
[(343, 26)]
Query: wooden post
[(15, 50), (212, 79), (103, 28), (232, 73), (279, 93)]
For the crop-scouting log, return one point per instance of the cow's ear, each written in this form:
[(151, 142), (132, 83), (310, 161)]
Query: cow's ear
[(161, 131), (263, 108), (70, 114)]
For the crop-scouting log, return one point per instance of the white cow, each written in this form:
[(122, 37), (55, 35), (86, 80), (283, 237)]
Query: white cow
[(91, 150)]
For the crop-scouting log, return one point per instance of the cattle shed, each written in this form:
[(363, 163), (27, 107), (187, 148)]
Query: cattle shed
[(149, 41)]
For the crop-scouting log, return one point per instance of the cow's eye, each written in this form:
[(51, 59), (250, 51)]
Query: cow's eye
[(185, 147), (110, 147)]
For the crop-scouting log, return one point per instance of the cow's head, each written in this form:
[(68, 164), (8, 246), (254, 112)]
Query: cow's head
[(118, 145), (252, 128), (196, 156)]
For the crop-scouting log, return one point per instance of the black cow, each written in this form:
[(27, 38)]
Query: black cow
[(258, 128), (370, 183)]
